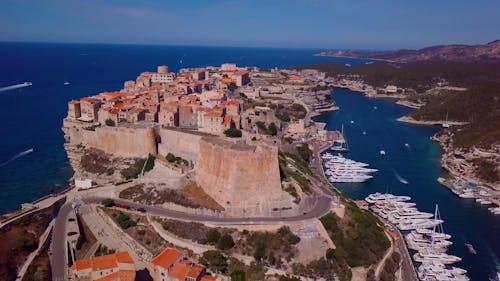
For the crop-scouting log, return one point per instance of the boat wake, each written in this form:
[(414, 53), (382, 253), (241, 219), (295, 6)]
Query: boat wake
[(19, 155), (17, 86), (400, 178)]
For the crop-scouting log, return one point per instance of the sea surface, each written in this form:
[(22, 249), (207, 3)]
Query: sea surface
[(370, 126), (31, 118)]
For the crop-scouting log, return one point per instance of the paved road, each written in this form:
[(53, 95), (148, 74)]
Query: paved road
[(58, 251), (322, 206)]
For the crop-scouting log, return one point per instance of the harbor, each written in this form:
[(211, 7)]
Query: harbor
[(411, 167), (424, 235)]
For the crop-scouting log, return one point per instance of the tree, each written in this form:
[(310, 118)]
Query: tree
[(110, 122), (124, 221), (170, 157), (232, 133), (226, 242), (213, 236), (238, 275), (108, 202), (304, 151), (232, 87), (272, 129), (260, 252), (215, 260)]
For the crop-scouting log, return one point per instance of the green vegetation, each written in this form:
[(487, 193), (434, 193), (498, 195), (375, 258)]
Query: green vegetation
[(110, 122), (179, 160), (103, 250), (359, 239), (214, 260), (108, 202), (124, 221), (133, 171), (270, 248), (271, 130), (487, 169), (390, 267), (288, 112), (232, 133), (288, 278), (304, 152), (225, 242), (213, 236), (95, 161), (232, 87), (170, 157), (240, 271)]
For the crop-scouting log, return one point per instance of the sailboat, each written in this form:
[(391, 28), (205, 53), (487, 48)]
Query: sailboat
[(340, 145), (445, 124)]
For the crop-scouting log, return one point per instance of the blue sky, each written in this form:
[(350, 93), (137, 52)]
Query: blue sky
[(363, 24)]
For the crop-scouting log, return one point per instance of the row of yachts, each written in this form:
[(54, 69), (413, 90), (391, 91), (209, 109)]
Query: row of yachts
[(343, 170), (423, 233)]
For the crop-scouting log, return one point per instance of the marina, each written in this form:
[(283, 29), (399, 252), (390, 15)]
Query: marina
[(340, 169), (412, 155), (423, 234)]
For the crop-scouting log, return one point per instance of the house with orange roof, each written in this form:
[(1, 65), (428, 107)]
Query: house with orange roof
[(241, 77), (295, 79), (136, 114), (106, 113), (89, 109), (169, 114), (163, 264), (228, 67), (114, 267), (74, 110)]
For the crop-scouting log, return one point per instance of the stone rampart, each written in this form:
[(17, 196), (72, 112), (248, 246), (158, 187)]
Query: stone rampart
[(121, 141), (244, 179), (185, 144)]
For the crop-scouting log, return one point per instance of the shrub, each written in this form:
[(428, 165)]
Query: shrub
[(238, 275), (232, 133), (272, 129), (110, 122), (215, 260), (213, 236), (124, 221), (108, 202), (170, 157), (226, 242), (304, 152)]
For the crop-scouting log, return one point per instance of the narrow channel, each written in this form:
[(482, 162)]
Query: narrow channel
[(411, 167)]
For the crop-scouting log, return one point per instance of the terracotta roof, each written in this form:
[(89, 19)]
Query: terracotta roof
[(103, 262), (122, 275), (209, 278), (195, 271), (227, 121), (180, 270), (90, 99), (166, 258), (74, 102), (240, 72)]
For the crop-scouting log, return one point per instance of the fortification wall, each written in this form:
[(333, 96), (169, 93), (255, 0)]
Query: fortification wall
[(243, 179), (183, 144), (120, 141)]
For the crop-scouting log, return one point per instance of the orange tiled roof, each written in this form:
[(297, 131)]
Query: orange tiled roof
[(90, 99), (180, 270), (209, 278), (74, 102), (240, 72), (103, 262), (166, 258), (227, 121), (122, 275), (195, 271)]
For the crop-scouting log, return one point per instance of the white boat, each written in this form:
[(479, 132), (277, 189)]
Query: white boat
[(431, 255), (445, 124), (495, 210), (382, 152), (385, 197), (467, 194), (437, 271), (66, 83), (483, 201)]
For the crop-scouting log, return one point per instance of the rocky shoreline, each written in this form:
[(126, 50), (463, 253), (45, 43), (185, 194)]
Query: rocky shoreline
[(449, 161)]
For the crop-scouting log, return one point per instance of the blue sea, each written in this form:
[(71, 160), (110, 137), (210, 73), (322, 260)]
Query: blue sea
[(32, 117)]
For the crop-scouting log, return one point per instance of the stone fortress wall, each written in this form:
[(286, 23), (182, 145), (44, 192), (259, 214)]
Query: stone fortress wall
[(244, 179), (128, 142)]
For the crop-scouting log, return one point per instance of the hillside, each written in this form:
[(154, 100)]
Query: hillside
[(431, 86), (489, 52)]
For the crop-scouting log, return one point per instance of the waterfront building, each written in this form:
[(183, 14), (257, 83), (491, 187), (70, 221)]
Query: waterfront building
[(89, 109), (228, 67), (241, 77), (74, 111)]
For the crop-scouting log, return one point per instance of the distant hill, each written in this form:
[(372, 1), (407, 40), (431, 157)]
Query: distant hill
[(454, 53)]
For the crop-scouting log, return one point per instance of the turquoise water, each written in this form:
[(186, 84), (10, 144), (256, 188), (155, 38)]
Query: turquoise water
[(418, 164)]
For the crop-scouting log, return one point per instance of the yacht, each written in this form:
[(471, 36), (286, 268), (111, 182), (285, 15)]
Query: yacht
[(467, 194), (438, 271), (385, 197), (411, 224), (431, 255)]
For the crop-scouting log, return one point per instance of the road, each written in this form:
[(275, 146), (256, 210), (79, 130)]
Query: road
[(323, 205), (58, 250)]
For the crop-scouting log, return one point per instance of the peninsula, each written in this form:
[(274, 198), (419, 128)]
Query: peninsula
[(210, 173)]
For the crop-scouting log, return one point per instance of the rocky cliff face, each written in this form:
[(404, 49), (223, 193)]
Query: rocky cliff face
[(243, 179)]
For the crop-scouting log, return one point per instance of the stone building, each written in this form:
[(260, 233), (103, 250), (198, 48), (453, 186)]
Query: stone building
[(89, 109), (74, 111), (119, 266)]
